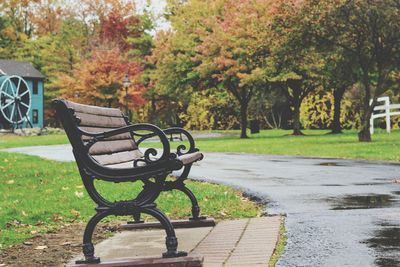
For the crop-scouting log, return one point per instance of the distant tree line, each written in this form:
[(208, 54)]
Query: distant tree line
[(291, 64)]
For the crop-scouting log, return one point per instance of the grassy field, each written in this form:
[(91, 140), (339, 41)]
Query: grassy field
[(8, 141), (37, 195), (316, 143)]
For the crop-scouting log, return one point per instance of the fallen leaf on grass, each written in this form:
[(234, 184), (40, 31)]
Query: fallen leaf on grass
[(10, 182), (75, 213), (57, 218), (79, 194)]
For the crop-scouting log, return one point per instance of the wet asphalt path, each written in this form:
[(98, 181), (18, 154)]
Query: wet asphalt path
[(339, 212)]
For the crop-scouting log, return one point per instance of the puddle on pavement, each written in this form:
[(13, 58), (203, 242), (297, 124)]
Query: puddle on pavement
[(372, 201), (386, 243), (372, 183), (278, 160), (330, 164)]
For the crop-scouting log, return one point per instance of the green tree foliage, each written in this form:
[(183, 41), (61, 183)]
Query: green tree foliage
[(295, 67), (339, 75), (369, 31), (214, 44), (234, 50), (317, 111), (211, 109)]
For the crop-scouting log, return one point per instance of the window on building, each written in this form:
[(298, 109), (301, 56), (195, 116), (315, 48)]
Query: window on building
[(35, 87), (35, 116)]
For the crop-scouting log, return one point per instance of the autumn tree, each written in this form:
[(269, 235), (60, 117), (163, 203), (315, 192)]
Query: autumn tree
[(234, 50), (98, 80), (339, 75), (367, 30), (294, 67), (174, 77)]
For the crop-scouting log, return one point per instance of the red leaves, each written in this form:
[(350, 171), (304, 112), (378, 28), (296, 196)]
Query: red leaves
[(117, 26)]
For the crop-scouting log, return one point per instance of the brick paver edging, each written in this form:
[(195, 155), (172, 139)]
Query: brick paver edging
[(246, 242)]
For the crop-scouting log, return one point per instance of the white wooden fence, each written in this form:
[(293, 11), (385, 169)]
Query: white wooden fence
[(385, 110)]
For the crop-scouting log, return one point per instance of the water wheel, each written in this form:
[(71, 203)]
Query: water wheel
[(15, 101)]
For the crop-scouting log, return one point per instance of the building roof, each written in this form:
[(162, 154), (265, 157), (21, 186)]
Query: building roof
[(20, 68)]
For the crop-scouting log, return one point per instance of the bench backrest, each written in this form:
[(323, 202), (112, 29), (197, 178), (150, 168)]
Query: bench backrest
[(114, 150)]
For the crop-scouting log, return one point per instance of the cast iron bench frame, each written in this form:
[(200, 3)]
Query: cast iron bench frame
[(151, 171)]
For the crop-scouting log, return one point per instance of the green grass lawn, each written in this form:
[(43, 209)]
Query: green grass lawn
[(38, 195), (8, 141), (316, 143)]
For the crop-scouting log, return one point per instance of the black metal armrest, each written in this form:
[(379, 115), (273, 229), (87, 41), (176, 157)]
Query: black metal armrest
[(182, 148), (133, 128)]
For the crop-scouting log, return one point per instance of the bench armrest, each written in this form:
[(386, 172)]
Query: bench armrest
[(181, 149), (133, 128)]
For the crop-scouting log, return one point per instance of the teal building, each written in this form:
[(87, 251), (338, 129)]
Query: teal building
[(34, 83)]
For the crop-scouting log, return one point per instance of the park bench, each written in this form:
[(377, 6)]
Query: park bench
[(106, 147)]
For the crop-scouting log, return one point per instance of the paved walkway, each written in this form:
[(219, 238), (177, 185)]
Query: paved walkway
[(246, 242), (339, 212)]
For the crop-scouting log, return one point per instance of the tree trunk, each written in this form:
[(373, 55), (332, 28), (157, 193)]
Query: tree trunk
[(296, 112), (364, 134), (243, 119), (337, 99)]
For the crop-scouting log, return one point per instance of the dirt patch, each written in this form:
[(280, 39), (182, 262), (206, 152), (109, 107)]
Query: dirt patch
[(54, 248)]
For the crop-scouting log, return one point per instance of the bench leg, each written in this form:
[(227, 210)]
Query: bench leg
[(149, 194), (136, 218), (193, 200), (171, 241), (88, 248), (181, 186)]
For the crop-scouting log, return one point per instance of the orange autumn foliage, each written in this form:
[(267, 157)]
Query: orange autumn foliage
[(98, 81)]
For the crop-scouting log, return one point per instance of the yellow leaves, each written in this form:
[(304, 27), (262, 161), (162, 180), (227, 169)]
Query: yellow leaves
[(75, 213), (57, 218), (10, 182), (79, 194)]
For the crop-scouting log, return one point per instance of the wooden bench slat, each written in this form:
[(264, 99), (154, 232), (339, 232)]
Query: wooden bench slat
[(100, 121), (117, 158), (114, 112), (112, 146), (95, 130)]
